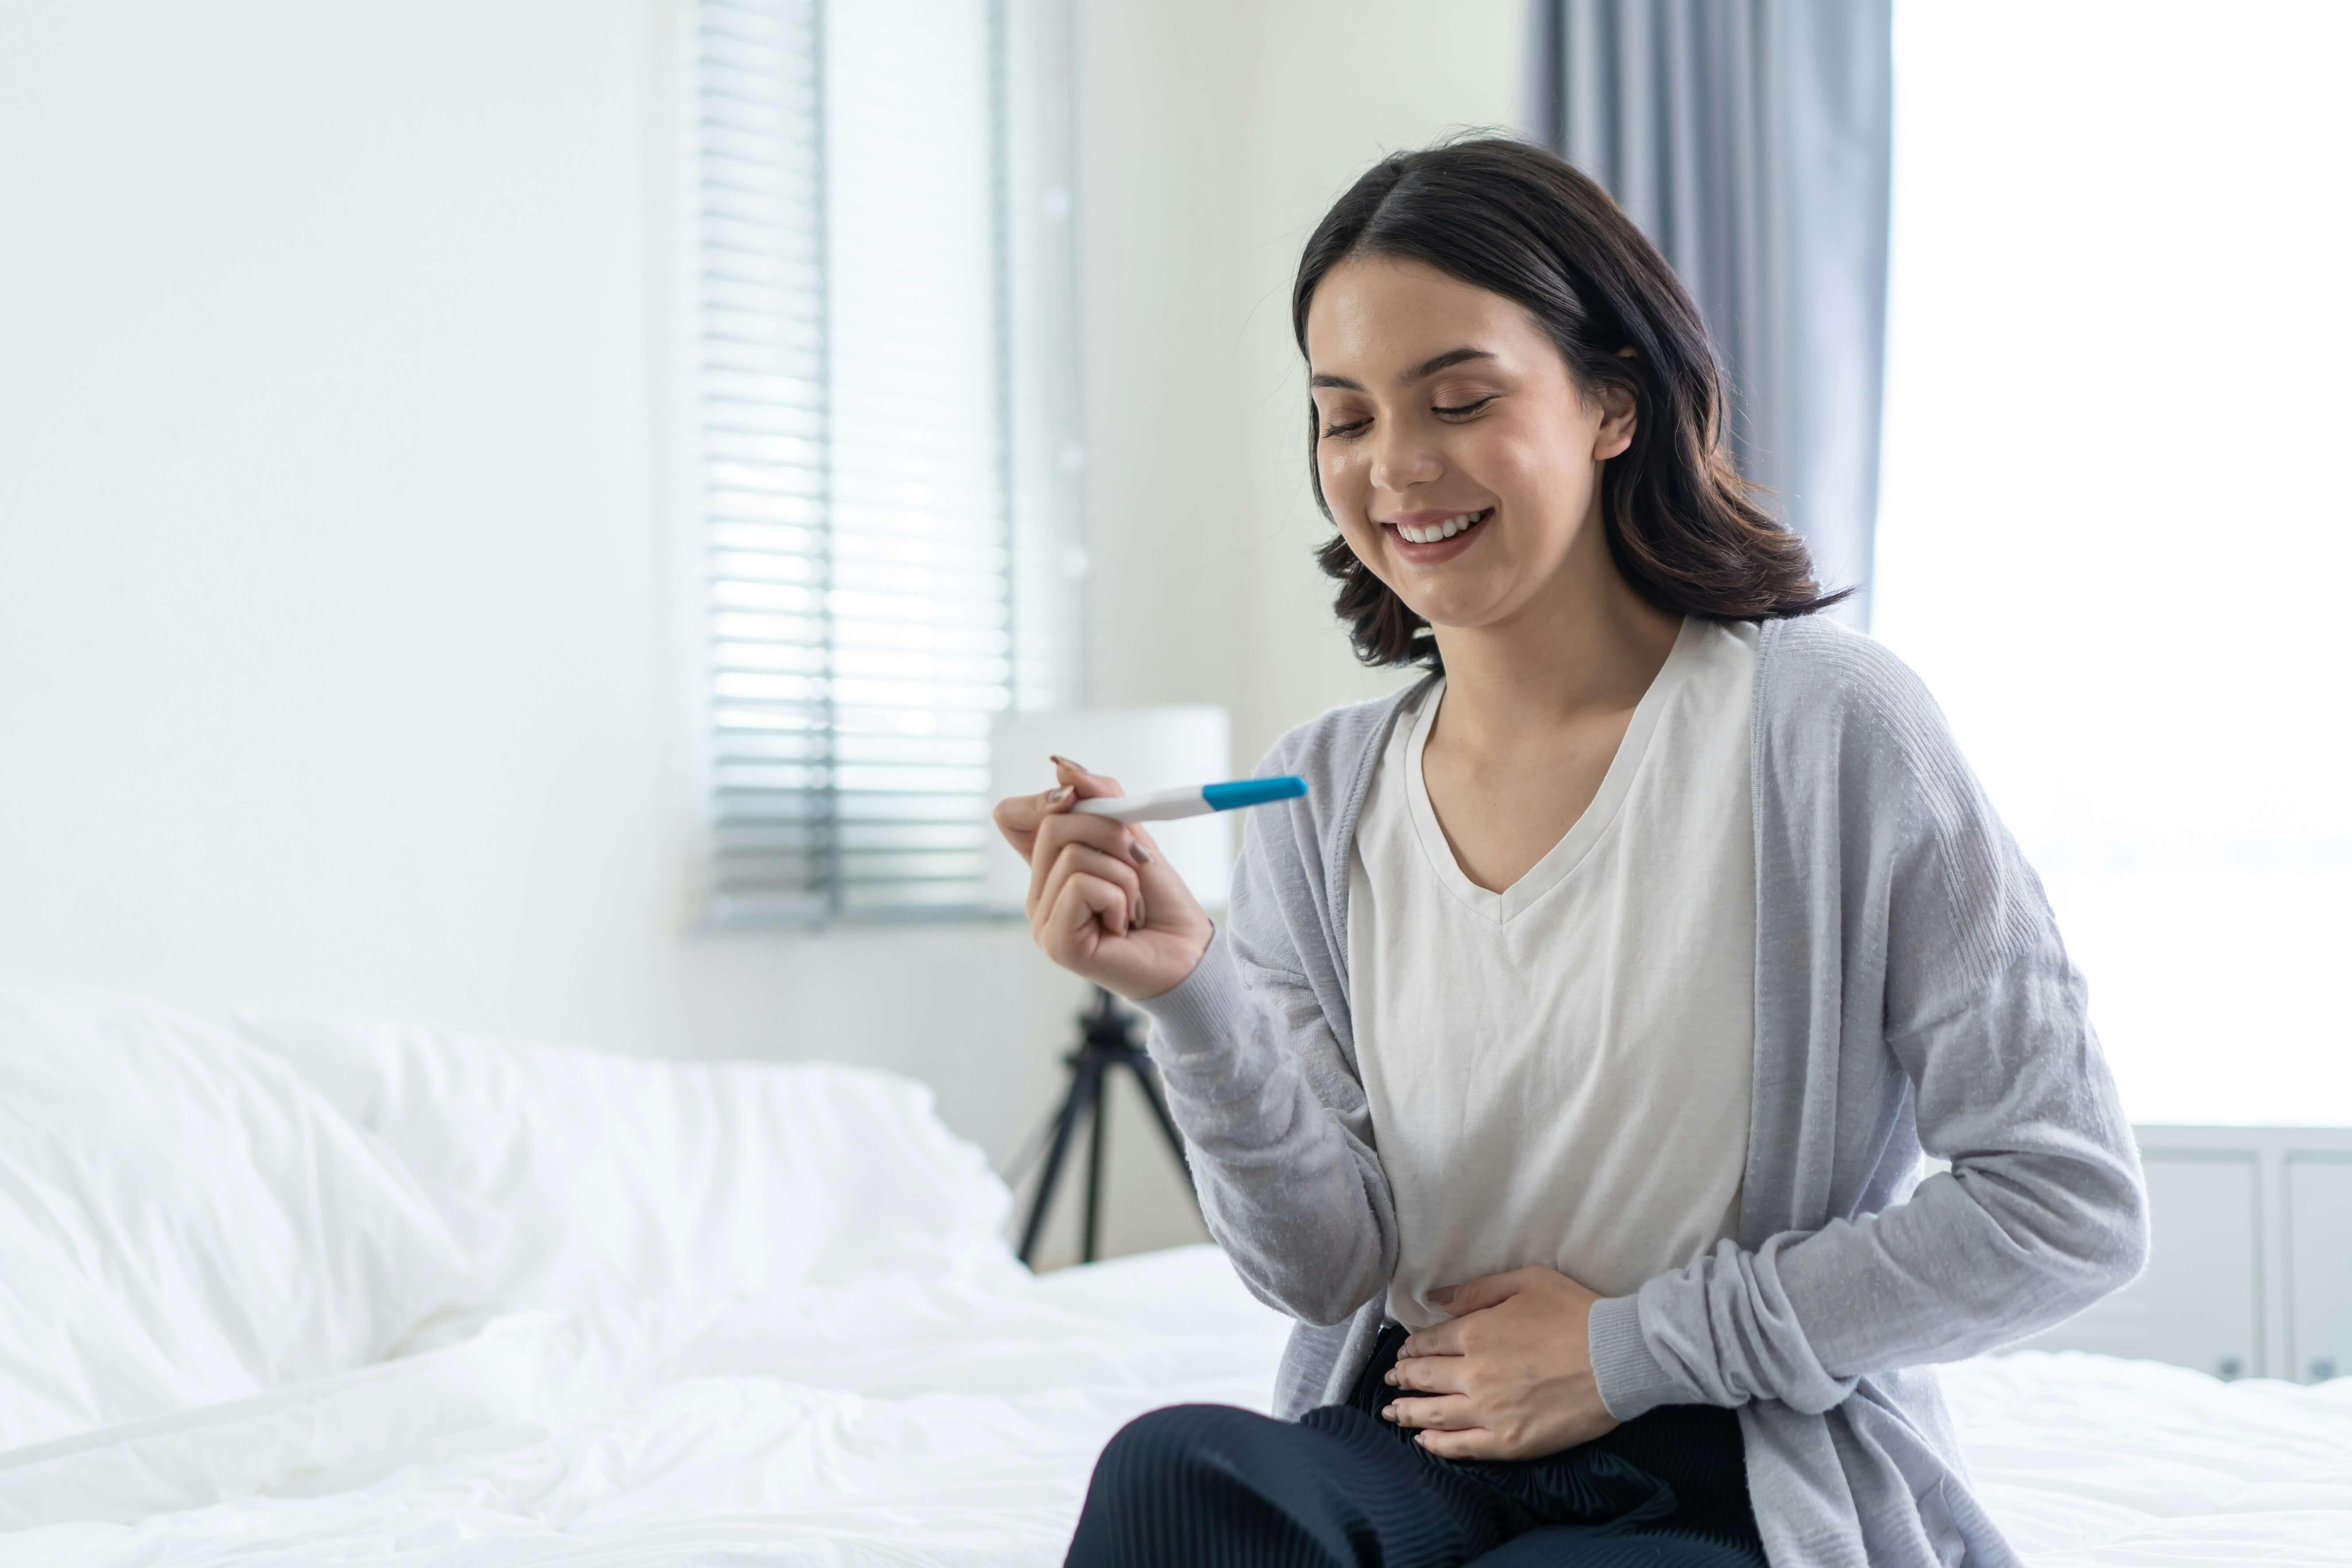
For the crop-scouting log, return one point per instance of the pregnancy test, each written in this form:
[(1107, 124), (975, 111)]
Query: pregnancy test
[(1167, 804)]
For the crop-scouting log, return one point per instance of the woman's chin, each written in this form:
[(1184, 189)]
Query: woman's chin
[(1463, 607)]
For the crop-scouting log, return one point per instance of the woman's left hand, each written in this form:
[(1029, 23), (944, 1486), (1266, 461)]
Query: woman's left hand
[(1510, 1376)]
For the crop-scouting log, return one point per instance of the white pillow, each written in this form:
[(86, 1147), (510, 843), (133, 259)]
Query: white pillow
[(577, 1177), (182, 1220)]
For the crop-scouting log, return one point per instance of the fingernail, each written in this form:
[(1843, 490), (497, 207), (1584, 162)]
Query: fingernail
[(1139, 854), (1063, 762), (1441, 1295), (1388, 1378), (1056, 797), (1388, 1413)]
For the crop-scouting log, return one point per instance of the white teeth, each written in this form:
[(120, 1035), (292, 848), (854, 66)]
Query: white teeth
[(1446, 529)]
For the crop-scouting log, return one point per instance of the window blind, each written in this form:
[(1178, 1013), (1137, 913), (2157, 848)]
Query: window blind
[(857, 427)]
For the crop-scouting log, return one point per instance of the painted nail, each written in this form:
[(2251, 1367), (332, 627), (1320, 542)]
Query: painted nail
[(1056, 797), (1064, 762), (1139, 854)]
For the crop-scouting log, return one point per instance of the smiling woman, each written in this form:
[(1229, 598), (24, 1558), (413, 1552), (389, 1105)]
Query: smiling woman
[(1571, 324), (1567, 1060)]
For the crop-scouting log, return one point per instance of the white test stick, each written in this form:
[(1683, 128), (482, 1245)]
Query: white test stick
[(1167, 804)]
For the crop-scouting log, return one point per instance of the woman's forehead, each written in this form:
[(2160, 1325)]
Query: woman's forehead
[(1374, 318)]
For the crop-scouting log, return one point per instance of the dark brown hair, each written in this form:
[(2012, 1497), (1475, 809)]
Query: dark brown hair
[(1511, 218)]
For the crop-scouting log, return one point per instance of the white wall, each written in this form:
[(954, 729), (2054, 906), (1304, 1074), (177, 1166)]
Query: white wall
[(1215, 137), (345, 602), (328, 669)]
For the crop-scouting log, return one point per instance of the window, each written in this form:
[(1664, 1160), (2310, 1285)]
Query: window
[(2115, 527), (887, 458)]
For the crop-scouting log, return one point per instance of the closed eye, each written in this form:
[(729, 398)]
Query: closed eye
[(1459, 411)]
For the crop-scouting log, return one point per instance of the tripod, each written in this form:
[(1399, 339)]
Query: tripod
[(1107, 1041)]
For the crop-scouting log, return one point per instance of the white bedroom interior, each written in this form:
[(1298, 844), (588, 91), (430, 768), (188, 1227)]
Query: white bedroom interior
[(374, 692), (355, 591)]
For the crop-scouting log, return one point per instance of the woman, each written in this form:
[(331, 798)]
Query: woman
[(1567, 1061)]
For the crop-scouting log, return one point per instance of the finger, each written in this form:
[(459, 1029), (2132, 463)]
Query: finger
[(1472, 1443), (1100, 786), (1087, 909), (1163, 885), (1088, 912), (1090, 786), (1067, 828), (1074, 860), (1162, 888), (1018, 817), (1445, 1339), (1444, 1413), (1431, 1374)]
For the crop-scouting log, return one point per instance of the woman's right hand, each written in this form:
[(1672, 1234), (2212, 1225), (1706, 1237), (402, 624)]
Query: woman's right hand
[(1104, 903)]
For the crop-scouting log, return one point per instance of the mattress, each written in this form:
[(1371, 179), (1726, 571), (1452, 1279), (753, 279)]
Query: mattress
[(920, 1420)]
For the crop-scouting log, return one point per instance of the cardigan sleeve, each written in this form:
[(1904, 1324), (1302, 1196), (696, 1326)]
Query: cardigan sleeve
[(1276, 1126), (2042, 1208)]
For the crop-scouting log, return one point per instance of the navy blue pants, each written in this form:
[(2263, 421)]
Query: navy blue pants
[(1214, 1486)]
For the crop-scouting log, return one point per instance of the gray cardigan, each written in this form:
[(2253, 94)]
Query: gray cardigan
[(1911, 994)]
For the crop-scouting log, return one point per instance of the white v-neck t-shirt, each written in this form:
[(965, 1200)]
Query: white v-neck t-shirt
[(1559, 1073)]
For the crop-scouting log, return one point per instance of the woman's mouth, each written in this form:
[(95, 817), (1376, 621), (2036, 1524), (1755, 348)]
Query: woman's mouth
[(1423, 538)]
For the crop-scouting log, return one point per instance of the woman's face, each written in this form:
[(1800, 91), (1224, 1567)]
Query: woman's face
[(1440, 405)]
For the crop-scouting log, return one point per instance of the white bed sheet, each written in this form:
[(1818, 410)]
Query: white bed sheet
[(913, 1421)]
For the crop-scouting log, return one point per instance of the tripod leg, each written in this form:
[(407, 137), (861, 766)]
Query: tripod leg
[(1094, 1135), (1073, 1101)]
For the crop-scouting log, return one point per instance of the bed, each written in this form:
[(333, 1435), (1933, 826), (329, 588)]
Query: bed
[(704, 1313)]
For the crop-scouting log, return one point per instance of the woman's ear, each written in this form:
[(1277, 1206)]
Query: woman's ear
[(1616, 430)]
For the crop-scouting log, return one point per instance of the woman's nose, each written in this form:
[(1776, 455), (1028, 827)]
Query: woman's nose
[(1401, 460)]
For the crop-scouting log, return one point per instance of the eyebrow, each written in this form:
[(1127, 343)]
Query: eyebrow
[(1446, 360)]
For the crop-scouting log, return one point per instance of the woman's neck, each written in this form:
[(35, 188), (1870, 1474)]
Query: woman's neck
[(1592, 648)]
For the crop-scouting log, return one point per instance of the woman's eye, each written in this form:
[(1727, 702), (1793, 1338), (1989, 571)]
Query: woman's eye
[(1348, 429), (1471, 408)]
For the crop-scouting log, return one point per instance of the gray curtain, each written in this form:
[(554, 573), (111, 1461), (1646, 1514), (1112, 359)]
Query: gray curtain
[(1750, 139)]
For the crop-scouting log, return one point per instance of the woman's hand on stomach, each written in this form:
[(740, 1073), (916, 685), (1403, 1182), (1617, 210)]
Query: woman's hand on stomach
[(1103, 901), (1509, 1376)]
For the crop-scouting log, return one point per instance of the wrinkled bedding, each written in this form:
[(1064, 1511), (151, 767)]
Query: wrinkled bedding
[(294, 1291), (917, 1419)]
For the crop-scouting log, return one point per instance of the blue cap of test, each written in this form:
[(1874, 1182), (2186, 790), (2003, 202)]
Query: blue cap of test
[(1253, 792)]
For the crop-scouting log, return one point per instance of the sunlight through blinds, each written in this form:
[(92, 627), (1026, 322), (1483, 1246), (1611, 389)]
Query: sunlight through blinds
[(856, 427)]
